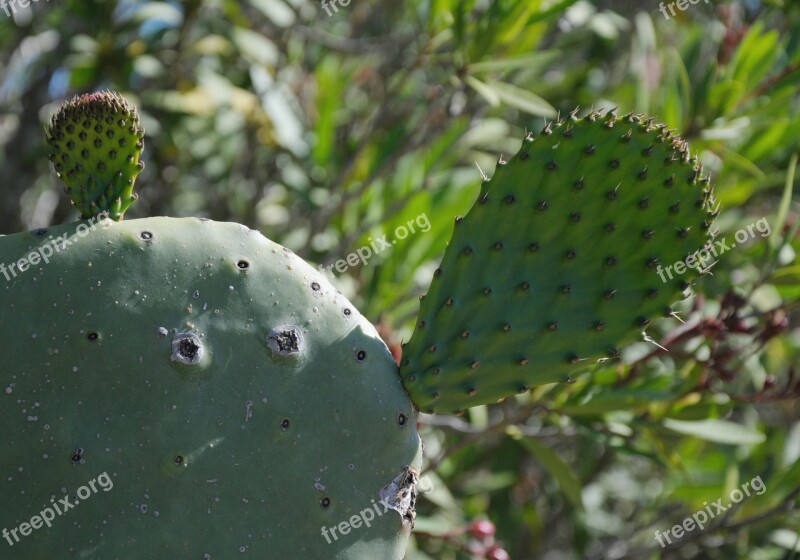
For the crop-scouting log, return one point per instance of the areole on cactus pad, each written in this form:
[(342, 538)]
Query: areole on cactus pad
[(240, 404)]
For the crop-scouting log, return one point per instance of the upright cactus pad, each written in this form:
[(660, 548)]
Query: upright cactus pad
[(240, 405), (560, 261), (96, 140)]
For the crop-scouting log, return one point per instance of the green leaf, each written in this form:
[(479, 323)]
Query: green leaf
[(255, 47), (557, 468), (552, 9), (159, 11), (787, 276), (522, 99), (436, 525), (787, 539), (619, 400), (528, 62), (718, 431), (491, 96), (276, 10), (490, 482), (783, 210)]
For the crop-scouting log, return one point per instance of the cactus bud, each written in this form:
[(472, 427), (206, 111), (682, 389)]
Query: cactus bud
[(96, 140)]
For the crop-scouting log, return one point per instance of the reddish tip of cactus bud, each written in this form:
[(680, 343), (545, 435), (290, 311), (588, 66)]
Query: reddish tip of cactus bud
[(482, 529), (497, 553)]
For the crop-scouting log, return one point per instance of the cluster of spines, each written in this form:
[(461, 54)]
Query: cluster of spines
[(96, 141)]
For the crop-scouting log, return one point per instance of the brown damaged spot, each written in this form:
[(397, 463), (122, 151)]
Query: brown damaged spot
[(401, 495)]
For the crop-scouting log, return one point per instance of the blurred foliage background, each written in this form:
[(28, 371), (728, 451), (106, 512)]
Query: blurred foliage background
[(326, 132)]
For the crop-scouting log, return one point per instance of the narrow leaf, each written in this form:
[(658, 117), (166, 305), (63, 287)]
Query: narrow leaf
[(718, 431), (557, 468)]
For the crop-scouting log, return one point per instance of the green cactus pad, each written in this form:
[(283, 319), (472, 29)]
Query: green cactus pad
[(559, 262), (96, 140), (238, 403)]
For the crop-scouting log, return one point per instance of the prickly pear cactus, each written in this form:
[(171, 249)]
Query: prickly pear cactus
[(180, 388), (193, 390), (96, 140), (559, 262)]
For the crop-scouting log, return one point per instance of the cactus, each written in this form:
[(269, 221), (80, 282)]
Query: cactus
[(96, 140), (559, 261), (232, 395), (239, 403)]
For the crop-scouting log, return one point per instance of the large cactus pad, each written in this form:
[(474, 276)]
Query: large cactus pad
[(236, 401), (562, 259)]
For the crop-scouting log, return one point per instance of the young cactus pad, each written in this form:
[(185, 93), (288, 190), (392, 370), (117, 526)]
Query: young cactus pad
[(96, 140), (235, 399), (560, 261)]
